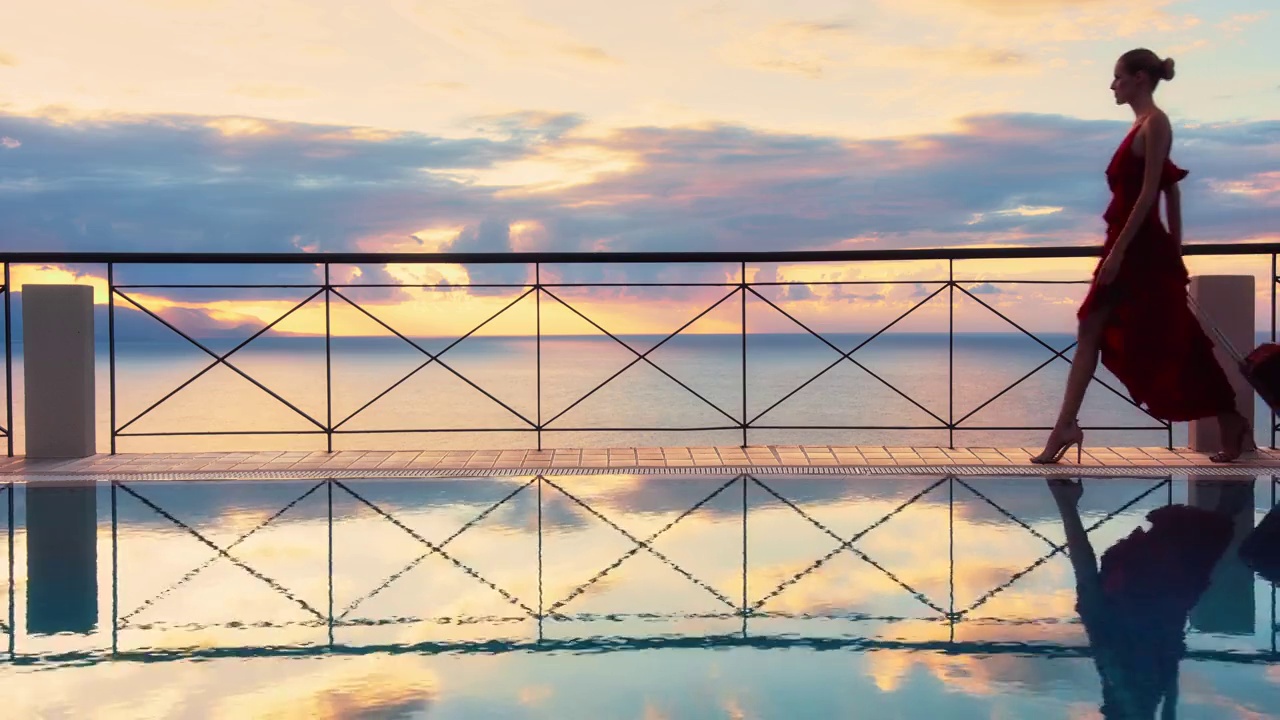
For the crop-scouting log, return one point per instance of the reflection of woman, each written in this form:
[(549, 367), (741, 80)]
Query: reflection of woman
[(1135, 606)]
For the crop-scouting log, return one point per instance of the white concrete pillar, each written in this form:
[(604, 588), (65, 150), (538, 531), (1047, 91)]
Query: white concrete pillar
[(1228, 299), (57, 360)]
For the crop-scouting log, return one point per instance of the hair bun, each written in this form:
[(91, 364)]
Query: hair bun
[(1166, 69)]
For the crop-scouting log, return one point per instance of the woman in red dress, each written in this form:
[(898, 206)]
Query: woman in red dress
[(1136, 315)]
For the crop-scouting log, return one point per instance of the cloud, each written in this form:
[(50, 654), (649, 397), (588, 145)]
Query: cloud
[(817, 49), (9, 143), (985, 289), (1236, 24), (187, 183), (591, 54), (1047, 21), (7, 60)]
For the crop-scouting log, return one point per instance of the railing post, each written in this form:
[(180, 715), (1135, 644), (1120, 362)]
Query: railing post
[(8, 360), (111, 348), (115, 573), (329, 492), (742, 288), (537, 302), (951, 354), (1274, 279), (13, 627), (328, 364)]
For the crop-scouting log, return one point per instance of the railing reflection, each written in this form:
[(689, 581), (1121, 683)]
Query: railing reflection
[(62, 577)]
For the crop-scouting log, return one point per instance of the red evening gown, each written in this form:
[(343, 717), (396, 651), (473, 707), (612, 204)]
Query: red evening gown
[(1152, 341)]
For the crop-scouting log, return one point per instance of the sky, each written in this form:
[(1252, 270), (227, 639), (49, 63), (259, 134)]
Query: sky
[(498, 125)]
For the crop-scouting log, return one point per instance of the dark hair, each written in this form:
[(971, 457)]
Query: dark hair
[(1145, 61)]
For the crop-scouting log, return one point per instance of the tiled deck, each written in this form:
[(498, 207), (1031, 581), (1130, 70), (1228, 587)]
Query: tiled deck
[(776, 457)]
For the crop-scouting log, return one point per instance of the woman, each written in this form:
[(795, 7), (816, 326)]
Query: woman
[(1136, 315), (1135, 606)]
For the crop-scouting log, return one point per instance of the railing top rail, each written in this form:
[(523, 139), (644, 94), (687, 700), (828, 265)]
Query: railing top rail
[(753, 256)]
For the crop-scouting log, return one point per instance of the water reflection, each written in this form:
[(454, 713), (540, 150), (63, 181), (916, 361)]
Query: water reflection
[(1135, 604), (403, 596), (62, 559)]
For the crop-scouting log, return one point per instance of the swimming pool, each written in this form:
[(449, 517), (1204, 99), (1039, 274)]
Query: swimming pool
[(625, 596)]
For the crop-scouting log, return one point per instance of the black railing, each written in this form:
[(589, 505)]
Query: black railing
[(734, 419), (319, 507)]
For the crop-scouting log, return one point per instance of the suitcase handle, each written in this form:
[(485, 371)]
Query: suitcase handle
[(1225, 343)]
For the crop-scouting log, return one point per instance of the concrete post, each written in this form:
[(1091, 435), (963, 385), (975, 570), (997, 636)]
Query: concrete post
[(57, 360), (62, 558), (1227, 605), (1228, 299)]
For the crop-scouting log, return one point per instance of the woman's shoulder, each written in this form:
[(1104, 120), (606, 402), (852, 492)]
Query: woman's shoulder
[(1156, 121)]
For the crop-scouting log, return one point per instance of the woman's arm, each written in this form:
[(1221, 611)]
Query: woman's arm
[(1173, 208), (1158, 136)]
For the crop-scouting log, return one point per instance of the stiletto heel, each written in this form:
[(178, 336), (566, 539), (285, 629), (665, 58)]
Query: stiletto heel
[(1076, 438), (1245, 435)]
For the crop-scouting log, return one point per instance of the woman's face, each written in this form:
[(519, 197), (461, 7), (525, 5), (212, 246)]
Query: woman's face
[(1123, 85)]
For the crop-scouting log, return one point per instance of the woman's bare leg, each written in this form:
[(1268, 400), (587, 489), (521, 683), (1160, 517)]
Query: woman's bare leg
[(1083, 366)]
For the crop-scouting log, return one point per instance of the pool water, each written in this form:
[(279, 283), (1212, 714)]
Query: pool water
[(632, 596)]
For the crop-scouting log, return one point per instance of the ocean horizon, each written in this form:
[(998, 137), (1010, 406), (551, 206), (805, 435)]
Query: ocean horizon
[(897, 394)]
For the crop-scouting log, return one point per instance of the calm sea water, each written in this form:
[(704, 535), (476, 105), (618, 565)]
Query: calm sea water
[(615, 596), (900, 381)]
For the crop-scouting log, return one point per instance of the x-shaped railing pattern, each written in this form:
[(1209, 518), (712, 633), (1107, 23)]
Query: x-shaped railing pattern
[(554, 420), (554, 609), (220, 552)]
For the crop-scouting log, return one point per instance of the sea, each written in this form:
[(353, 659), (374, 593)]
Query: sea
[(896, 389)]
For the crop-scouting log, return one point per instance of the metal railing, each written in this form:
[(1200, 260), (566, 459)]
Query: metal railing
[(321, 506), (734, 419)]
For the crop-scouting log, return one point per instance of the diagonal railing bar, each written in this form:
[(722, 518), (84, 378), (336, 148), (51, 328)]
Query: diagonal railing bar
[(421, 558), (817, 564), (645, 544), (848, 545), (849, 357), (1054, 553), (1033, 336), (220, 359), (223, 553), (1018, 521), (438, 550), (433, 358), (643, 356), (845, 356), (1057, 354), (191, 574)]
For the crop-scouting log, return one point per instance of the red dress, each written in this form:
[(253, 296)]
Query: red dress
[(1152, 341)]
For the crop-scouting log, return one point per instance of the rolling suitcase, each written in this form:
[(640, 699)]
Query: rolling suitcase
[(1261, 367)]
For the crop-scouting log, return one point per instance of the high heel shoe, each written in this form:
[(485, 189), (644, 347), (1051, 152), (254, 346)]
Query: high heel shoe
[(1074, 437), (1242, 437)]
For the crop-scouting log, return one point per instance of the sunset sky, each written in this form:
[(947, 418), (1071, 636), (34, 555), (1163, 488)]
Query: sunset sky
[(496, 125)]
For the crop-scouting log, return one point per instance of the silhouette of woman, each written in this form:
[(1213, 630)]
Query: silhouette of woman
[(1136, 315), (1135, 607)]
